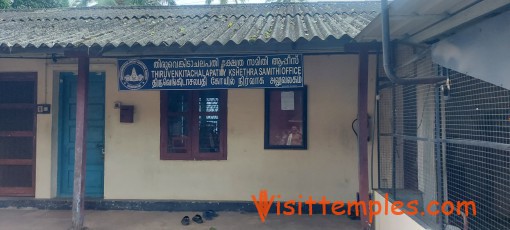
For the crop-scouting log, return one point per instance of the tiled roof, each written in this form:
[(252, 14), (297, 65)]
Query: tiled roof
[(182, 25)]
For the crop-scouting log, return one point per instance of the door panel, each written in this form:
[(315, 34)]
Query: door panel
[(17, 134), (16, 119), (16, 147), (94, 184), (17, 90), (19, 176)]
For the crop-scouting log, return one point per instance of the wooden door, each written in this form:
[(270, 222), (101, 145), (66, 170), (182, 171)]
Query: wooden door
[(17, 133)]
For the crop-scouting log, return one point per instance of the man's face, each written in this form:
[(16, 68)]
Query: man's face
[(294, 129)]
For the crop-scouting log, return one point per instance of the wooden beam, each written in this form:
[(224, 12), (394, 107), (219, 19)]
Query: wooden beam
[(80, 150), (363, 133)]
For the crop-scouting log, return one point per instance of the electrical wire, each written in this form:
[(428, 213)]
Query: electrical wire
[(353, 129)]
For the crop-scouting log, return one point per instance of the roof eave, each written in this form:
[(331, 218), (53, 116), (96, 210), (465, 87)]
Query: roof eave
[(435, 28), (330, 45)]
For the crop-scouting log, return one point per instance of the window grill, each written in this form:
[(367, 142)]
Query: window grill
[(477, 115), (448, 141)]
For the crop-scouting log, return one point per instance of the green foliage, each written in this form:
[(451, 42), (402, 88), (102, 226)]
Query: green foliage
[(131, 2), (223, 2), (79, 3), (145, 2), (4, 4), (39, 3), (106, 3), (23, 4)]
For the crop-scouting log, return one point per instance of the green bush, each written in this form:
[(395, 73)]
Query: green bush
[(39, 3), (4, 4)]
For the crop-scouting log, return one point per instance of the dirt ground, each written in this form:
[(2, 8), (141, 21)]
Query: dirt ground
[(32, 219)]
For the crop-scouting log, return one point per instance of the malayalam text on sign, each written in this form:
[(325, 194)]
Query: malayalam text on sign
[(221, 72)]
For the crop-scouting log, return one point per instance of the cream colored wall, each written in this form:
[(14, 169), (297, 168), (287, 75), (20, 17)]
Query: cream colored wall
[(47, 124), (392, 222), (328, 167), (44, 122), (133, 169)]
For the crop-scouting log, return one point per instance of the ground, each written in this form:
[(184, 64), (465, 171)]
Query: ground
[(32, 219)]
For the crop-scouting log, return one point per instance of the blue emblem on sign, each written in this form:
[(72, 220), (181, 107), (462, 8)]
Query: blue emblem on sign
[(133, 74)]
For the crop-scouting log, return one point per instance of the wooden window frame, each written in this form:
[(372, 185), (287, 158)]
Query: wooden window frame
[(193, 114), (21, 191), (267, 120)]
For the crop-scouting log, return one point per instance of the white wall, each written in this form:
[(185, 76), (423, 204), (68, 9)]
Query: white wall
[(392, 222), (480, 51)]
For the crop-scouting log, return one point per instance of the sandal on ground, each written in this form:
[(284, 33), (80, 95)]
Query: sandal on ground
[(198, 219), (209, 214), (185, 220)]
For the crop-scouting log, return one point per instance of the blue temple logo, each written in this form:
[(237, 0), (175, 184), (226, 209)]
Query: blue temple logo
[(133, 74)]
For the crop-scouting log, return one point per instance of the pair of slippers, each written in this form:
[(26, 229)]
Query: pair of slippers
[(197, 219), (208, 215)]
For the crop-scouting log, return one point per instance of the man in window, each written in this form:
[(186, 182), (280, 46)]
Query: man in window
[(292, 137)]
